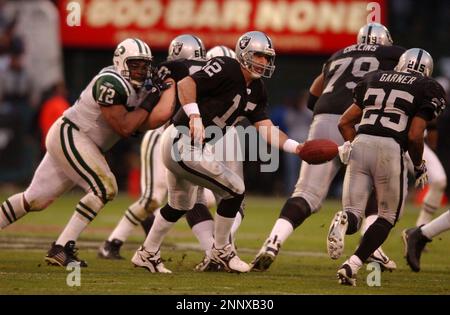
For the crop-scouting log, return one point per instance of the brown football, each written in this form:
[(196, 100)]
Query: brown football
[(318, 151)]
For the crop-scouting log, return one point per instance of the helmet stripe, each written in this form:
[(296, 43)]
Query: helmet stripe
[(139, 45), (224, 51), (419, 58), (202, 53), (369, 33)]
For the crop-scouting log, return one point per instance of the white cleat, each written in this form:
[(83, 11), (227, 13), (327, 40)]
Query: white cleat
[(150, 261), (336, 235), (346, 275), (266, 255), (385, 262), (228, 259)]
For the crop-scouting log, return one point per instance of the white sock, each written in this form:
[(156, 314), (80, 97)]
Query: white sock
[(86, 211), (204, 232), (424, 218), (11, 210), (237, 222), (281, 230), (159, 230), (132, 218), (222, 228), (368, 222), (355, 263), (437, 226)]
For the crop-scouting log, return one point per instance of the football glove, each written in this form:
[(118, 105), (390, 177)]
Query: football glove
[(421, 175), (345, 151), (155, 90)]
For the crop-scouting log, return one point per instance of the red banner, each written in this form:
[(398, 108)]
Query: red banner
[(315, 26)]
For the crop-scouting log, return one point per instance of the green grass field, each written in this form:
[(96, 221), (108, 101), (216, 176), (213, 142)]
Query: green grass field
[(302, 266)]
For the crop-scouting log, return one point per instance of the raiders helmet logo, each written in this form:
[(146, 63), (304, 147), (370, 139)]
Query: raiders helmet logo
[(177, 48), (244, 42)]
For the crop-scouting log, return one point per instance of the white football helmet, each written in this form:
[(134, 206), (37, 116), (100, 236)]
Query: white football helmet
[(374, 34), (132, 49), (416, 60), (186, 46), (252, 43), (220, 51)]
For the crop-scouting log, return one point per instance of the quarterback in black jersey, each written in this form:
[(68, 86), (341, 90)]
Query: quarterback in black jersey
[(392, 109), (186, 55), (219, 95), (330, 96)]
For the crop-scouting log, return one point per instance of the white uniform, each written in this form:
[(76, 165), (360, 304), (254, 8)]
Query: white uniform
[(76, 143)]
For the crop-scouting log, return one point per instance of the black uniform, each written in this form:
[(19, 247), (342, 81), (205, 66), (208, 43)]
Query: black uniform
[(178, 70), (223, 97), (390, 100), (346, 67)]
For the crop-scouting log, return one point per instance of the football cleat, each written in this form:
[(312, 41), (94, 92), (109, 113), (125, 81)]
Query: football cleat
[(110, 250), (150, 261), (59, 255), (414, 242), (227, 258), (266, 255), (381, 258), (346, 276), (336, 235), (208, 265)]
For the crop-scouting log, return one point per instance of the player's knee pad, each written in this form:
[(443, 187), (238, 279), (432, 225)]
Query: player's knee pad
[(229, 207), (110, 184), (170, 214), (295, 210), (198, 214)]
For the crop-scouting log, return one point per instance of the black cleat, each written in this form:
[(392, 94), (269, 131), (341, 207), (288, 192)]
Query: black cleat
[(59, 255), (414, 242), (110, 250)]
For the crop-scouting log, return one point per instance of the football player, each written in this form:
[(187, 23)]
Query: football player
[(115, 104), (216, 96), (416, 238), (186, 55), (392, 109), (330, 96)]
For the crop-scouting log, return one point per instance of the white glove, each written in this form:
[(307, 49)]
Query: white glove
[(344, 152), (421, 174), (197, 131)]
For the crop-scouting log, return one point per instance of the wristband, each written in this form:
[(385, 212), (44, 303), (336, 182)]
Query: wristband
[(191, 109), (290, 146)]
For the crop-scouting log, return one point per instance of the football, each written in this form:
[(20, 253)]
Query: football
[(318, 151)]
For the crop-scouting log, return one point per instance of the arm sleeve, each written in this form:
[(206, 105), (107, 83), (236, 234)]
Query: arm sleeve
[(433, 102), (109, 90)]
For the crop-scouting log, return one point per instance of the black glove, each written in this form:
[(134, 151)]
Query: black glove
[(155, 88)]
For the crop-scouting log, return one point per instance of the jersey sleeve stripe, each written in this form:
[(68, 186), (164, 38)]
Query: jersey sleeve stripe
[(121, 80)]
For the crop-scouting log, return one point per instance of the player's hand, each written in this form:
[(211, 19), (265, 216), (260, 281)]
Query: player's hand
[(421, 174), (345, 151), (299, 148), (196, 129)]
